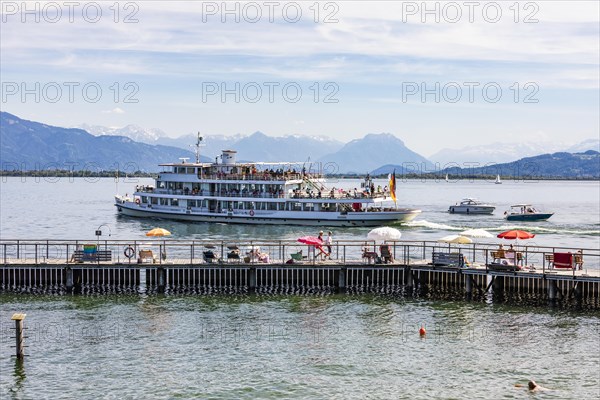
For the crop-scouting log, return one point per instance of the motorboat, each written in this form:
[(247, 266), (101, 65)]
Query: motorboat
[(471, 206), (285, 193), (525, 212)]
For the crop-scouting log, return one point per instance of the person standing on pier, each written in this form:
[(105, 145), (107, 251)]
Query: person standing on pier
[(329, 243)]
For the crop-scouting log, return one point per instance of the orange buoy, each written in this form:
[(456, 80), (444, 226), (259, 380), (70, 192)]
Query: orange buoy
[(422, 331)]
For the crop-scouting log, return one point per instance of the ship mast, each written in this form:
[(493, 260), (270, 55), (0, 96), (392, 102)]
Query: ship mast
[(197, 146)]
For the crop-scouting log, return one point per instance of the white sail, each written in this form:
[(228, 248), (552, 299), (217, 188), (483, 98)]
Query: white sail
[(498, 181)]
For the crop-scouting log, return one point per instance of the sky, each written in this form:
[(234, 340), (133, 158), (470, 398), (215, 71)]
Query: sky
[(435, 74)]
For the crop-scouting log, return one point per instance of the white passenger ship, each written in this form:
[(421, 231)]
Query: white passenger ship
[(258, 193)]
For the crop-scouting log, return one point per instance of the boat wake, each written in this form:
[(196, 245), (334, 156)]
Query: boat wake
[(433, 226)]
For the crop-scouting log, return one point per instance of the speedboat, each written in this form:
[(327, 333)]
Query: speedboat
[(259, 193), (525, 212), (471, 206)]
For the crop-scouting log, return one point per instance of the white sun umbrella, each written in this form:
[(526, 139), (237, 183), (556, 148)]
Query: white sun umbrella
[(384, 233), (477, 233), (458, 239)]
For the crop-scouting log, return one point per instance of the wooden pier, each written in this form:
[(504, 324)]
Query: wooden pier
[(206, 268)]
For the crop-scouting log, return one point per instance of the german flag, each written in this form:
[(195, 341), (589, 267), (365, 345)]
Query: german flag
[(392, 185)]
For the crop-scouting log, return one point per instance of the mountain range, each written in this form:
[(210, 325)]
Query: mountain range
[(502, 152), (259, 146), (584, 165), (30, 145)]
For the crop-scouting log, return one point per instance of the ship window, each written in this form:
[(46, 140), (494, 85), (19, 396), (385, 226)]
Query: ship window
[(272, 206), (174, 202), (144, 199), (153, 200), (163, 201)]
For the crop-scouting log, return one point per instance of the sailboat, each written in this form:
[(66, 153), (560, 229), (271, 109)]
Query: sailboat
[(498, 181), (447, 178)]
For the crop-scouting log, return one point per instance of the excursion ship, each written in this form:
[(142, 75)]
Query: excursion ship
[(259, 193)]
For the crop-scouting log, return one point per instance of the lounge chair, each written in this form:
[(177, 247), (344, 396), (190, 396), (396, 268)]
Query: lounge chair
[(209, 256), (563, 260), (386, 254), (578, 260), (233, 255), (146, 256)]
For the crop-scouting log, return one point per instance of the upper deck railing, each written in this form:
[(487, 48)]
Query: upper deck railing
[(169, 252), (335, 194), (258, 176)]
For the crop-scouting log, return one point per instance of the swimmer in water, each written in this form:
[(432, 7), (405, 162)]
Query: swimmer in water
[(532, 386)]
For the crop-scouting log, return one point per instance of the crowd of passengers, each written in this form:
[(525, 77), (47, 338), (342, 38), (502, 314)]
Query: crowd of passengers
[(296, 194), (275, 174)]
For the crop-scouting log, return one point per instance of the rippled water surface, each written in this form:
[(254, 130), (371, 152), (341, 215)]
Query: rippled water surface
[(334, 347), (295, 347)]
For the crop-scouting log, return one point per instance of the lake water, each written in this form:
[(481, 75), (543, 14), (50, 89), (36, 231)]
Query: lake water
[(298, 347)]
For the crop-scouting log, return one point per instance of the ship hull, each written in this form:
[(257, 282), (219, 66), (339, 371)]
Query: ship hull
[(528, 217), (352, 219), (471, 209)]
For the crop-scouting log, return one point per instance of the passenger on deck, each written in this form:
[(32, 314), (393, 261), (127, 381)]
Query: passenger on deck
[(578, 260), (500, 252), (511, 255)]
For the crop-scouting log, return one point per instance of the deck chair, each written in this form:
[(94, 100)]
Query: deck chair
[(297, 256), (146, 256), (233, 255), (386, 254), (578, 260), (209, 256), (550, 260), (563, 260)]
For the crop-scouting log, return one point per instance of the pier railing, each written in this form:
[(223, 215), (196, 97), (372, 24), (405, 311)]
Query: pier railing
[(184, 252)]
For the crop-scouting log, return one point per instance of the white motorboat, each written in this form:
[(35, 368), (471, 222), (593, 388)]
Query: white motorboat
[(259, 193), (471, 206)]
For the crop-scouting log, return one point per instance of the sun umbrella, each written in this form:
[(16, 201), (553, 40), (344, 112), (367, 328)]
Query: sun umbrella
[(310, 240), (477, 233), (458, 239), (384, 233), (516, 234), (158, 232)]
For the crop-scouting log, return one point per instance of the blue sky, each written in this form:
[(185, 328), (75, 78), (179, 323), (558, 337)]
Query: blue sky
[(367, 68)]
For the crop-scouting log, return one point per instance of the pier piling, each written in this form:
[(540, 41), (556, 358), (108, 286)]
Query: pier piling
[(19, 335)]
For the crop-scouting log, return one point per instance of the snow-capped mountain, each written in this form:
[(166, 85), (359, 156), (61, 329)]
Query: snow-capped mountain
[(133, 132), (499, 152), (590, 144)]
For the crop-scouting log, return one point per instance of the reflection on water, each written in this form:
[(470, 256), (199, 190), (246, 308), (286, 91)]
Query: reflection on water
[(19, 377)]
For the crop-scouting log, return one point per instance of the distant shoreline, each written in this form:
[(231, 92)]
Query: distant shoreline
[(139, 174)]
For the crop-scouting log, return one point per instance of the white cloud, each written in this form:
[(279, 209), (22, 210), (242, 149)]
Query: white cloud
[(115, 110)]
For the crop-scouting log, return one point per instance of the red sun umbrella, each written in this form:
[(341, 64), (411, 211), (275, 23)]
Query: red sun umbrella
[(310, 240), (516, 234)]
